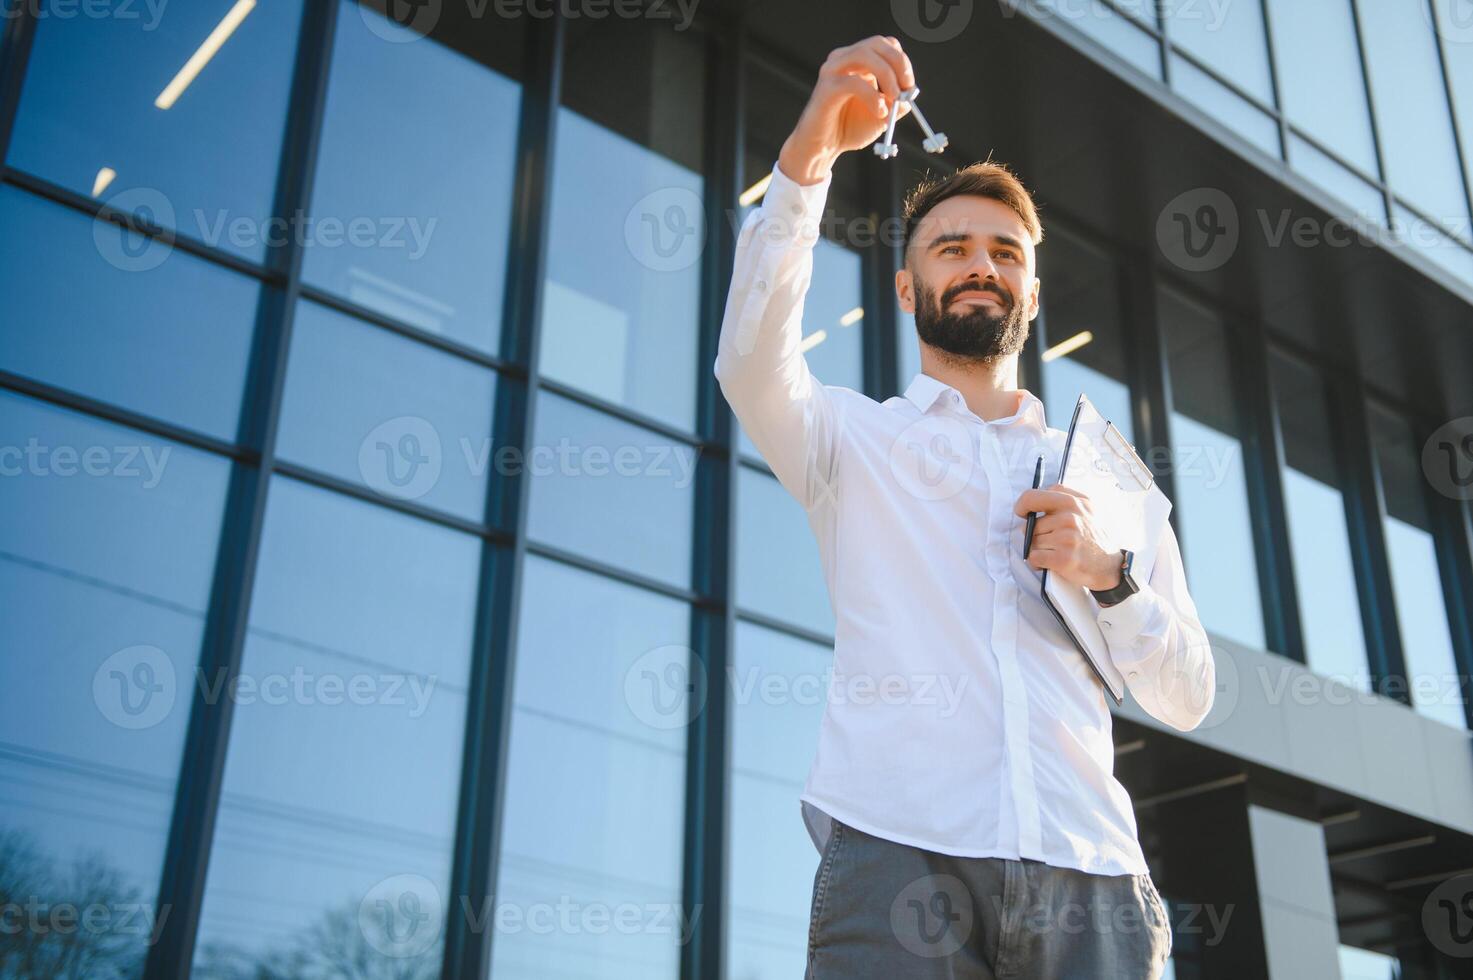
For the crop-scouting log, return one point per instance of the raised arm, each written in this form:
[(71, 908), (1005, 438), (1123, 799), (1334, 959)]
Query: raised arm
[(786, 412)]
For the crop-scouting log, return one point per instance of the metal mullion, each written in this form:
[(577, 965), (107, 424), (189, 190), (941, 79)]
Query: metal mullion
[(476, 860), (877, 281), (1452, 537), (1273, 81), (65, 398), (1032, 359), (1417, 212), (1452, 111), (1334, 156), (1264, 460), (446, 345), (617, 573), (1226, 82), (1152, 29), (202, 768), (1457, 546), (1365, 506), (136, 223), (1163, 42), (627, 414), (713, 630), (1149, 374), (808, 635), (15, 51), (412, 508), (1365, 74)]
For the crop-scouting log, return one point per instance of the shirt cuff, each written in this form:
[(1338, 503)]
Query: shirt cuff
[(793, 212), (1129, 627)]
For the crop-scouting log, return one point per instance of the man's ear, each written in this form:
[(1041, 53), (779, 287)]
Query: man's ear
[(1033, 298), (905, 290)]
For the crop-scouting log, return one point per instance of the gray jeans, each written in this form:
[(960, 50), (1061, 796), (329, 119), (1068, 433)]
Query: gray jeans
[(885, 910)]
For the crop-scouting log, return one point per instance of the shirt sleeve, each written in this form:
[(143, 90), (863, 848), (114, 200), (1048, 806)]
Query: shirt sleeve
[(1158, 643), (786, 412)]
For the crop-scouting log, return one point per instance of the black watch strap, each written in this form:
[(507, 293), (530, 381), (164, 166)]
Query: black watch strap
[(1127, 586)]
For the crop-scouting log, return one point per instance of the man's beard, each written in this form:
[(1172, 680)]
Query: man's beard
[(977, 334)]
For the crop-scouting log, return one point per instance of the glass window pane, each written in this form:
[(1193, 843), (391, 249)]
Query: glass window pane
[(1320, 80), (1421, 610), (103, 312), (107, 551), (778, 689), (833, 322), (1114, 31), (1080, 295), (610, 490), (432, 205), (1229, 38), (370, 406), (338, 810), (779, 572), (112, 110), (1412, 114), (1363, 197), (909, 346), (1211, 503), (595, 783), (620, 312), (1230, 108), (1363, 964), (1319, 538)]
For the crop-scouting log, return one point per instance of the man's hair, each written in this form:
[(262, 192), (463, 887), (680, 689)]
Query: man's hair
[(985, 179)]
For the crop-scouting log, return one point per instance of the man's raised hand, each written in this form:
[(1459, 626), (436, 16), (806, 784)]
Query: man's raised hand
[(849, 107)]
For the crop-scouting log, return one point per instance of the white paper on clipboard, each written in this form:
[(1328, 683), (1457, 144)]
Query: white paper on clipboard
[(1128, 507)]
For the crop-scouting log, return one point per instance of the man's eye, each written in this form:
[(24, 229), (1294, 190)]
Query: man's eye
[(1006, 255), (952, 248)]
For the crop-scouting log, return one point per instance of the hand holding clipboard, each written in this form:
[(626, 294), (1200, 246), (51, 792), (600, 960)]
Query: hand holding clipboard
[(1125, 502)]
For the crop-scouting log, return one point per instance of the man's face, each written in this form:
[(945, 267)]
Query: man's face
[(968, 278)]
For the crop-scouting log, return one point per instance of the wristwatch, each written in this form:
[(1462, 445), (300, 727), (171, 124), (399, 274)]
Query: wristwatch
[(1126, 588)]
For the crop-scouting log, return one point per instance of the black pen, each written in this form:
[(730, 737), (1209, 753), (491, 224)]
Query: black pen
[(1032, 515)]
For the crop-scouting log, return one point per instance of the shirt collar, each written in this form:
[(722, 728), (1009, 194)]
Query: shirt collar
[(924, 391)]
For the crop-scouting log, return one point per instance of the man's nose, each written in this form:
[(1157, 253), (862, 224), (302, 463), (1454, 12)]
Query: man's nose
[(983, 268)]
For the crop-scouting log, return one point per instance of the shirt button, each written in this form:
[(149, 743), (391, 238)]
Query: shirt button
[(797, 209), (1106, 623), (761, 285)]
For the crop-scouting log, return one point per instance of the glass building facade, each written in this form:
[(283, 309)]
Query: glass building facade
[(386, 582)]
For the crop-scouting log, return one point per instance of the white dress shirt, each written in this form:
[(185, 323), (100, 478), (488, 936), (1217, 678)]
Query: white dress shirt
[(960, 718)]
